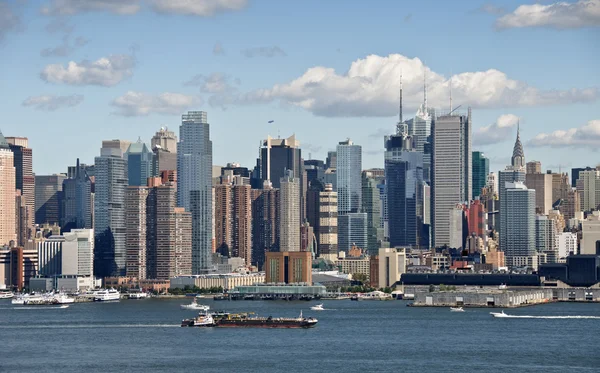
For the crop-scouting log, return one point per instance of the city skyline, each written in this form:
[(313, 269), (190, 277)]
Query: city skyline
[(113, 88)]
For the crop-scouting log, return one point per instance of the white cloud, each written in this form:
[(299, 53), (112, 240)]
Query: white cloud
[(139, 103), (202, 8), (214, 83), (71, 7), (52, 102), (587, 135), (268, 52), (65, 48), (106, 71), (9, 20), (370, 88), (500, 131), (559, 15)]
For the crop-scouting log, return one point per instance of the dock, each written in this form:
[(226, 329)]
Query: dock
[(484, 298)]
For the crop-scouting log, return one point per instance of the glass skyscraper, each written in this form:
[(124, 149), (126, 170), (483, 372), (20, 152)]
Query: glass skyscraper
[(481, 168), (194, 184), (139, 164), (348, 172)]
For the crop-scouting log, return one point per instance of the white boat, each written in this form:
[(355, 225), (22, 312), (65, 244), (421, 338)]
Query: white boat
[(195, 306), (318, 307), (456, 309), (6, 295), (62, 298), (28, 299), (499, 314), (502, 287), (105, 295), (137, 295)]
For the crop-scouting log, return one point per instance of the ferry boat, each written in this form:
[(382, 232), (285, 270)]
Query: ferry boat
[(32, 299), (62, 298), (105, 295), (195, 306), (318, 307), (6, 295), (244, 320)]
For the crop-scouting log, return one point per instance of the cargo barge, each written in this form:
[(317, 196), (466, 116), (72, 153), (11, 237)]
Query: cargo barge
[(244, 320)]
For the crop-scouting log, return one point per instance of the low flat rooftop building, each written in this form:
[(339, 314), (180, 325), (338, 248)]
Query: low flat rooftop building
[(226, 281), (280, 290)]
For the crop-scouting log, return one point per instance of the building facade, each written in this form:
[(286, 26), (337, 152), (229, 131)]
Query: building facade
[(481, 169), (265, 223), (139, 164), (8, 225), (392, 264), (328, 224), (519, 243), (24, 180), (288, 267), (289, 214), (49, 198)]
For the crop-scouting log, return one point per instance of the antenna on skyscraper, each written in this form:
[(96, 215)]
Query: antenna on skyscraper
[(450, 83), (425, 89), (400, 111)]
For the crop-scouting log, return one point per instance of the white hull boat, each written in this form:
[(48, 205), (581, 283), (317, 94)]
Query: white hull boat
[(318, 307), (195, 306), (456, 309)]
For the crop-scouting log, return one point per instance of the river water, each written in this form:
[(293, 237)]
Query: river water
[(366, 336)]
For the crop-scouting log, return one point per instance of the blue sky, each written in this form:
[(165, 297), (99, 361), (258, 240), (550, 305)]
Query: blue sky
[(75, 73)]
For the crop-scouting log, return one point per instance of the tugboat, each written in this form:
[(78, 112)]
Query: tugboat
[(243, 320)]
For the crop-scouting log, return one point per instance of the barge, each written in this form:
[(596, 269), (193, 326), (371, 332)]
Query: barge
[(244, 320)]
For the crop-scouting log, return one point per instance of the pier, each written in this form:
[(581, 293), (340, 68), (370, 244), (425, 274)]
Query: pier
[(489, 298)]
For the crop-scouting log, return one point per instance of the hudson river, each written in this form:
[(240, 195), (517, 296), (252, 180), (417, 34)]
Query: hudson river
[(366, 336)]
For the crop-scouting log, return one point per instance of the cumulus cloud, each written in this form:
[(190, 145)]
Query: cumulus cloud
[(202, 8), (559, 15), (65, 48), (269, 52), (71, 7), (587, 135), (370, 88), (52, 102), (221, 87), (9, 20), (500, 131), (140, 104), (106, 71)]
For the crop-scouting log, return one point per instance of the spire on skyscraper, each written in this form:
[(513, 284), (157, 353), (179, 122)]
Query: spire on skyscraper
[(518, 156), (400, 111), (425, 90)]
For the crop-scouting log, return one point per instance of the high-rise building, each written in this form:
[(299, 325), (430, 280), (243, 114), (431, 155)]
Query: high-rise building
[(136, 198), (288, 267), (331, 161), (542, 184), (588, 186), (481, 170), (534, 167), (7, 194), (17, 265), (570, 205), (21, 219), (289, 215), (348, 171), (371, 205), (49, 198), (546, 237), (328, 224), (194, 184), (458, 233), (452, 170), (560, 186), (515, 173), (71, 253), (165, 140), (139, 164), (109, 209), (233, 218), (24, 178), (77, 197), (265, 223), (519, 243), (352, 231), (477, 219), (277, 156), (392, 265), (575, 174)]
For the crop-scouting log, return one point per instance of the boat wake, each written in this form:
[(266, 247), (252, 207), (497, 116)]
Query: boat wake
[(506, 316), (89, 326), (37, 308)]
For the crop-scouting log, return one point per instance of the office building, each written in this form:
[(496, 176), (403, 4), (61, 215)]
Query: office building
[(69, 254), (139, 163), (481, 170), (546, 234), (165, 140), (109, 209), (77, 197), (533, 167), (588, 186), (519, 243), (575, 174), (8, 225), (567, 245), (458, 231), (477, 219), (265, 223), (590, 235), (542, 184), (331, 160), (328, 224), (24, 179), (352, 231), (452, 170), (289, 213), (371, 205), (279, 155), (21, 219), (194, 184), (560, 186), (392, 265), (17, 266), (570, 206), (49, 198), (288, 267), (136, 198), (348, 173)]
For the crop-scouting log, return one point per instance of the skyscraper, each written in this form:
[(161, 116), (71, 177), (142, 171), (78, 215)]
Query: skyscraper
[(49, 198), (277, 156), (194, 184), (289, 216), (328, 224), (542, 184), (7, 194), (265, 223), (109, 210), (348, 171), (165, 139), (533, 167), (512, 174), (371, 205), (452, 170), (518, 241), (139, 164), (352, 231), (25, 182), (77, 197), (481, 169), (136, 230)]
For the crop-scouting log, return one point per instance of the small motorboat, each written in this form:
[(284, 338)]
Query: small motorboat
[(499, 314), (195, 306), (456, 309), (318, 307), (6, 294)]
